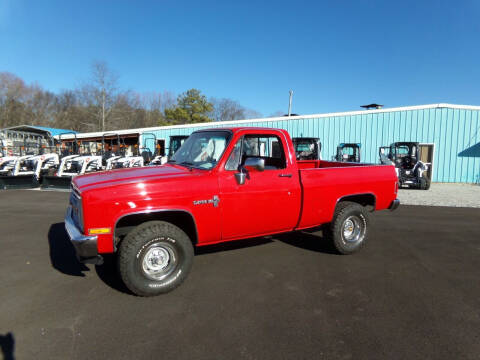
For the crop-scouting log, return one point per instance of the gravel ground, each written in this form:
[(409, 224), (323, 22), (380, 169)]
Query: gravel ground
[(443, 194)]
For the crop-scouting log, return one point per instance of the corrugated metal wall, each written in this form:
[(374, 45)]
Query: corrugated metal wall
[(454, 132)]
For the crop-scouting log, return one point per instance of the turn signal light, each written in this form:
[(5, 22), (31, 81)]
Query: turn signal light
[(97, 231)]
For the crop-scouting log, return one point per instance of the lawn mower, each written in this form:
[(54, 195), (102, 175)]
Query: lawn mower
[(410, 170)]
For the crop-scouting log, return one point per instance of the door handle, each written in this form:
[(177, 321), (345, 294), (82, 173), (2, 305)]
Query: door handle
[(285, 175)]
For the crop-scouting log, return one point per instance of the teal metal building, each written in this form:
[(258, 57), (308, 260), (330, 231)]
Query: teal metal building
[(450, 134)]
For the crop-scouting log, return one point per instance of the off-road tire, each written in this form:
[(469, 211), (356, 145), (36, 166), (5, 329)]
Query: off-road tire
[(139, 245), (335, 231)]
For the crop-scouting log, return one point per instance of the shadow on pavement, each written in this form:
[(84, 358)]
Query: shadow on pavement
[(301, 239), (62, 253), (108, 273), (307, 241), (232, 245), (7, 344)]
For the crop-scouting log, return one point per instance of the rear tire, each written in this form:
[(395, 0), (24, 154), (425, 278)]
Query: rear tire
[(348, 229), (155, 258)]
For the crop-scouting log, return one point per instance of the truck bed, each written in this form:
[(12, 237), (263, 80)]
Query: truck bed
[(324, 183)]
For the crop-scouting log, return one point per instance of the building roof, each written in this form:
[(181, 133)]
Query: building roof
[(238, 123), (39, 130)]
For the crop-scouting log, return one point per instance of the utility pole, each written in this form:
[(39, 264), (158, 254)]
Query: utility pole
[(290, 103), (103, 109)]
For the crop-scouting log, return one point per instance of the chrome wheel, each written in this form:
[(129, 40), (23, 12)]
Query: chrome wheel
[(159, 260), (353, 229)]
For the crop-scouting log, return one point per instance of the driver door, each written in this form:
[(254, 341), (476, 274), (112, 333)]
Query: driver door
[(269, 200)]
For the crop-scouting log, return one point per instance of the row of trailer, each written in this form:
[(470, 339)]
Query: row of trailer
[(52, 163)]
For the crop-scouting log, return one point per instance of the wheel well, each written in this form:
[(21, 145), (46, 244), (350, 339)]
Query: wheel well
[(367, 200), (182, 219)]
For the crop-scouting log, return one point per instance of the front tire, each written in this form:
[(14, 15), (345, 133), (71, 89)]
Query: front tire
[(155, 258), (424, 183), (348, 230)]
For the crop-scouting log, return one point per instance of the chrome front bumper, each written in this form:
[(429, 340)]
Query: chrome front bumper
[(85, 246)]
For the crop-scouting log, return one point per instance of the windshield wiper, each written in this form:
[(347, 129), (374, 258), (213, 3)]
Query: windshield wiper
[(172, 161), (187, 164)]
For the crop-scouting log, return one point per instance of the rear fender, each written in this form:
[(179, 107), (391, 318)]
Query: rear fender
[(364, 199)]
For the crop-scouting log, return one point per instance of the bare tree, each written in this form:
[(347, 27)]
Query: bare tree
[(100, 93), (40, 106), (154, 104), (252, 114), (69, 113), (227, 109), (99, 104), (277, 113), (12, 96)]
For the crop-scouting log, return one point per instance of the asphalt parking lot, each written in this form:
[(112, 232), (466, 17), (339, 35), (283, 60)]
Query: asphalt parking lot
[(412, 293)]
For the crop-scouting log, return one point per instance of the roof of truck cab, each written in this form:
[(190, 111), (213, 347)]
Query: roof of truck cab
[(243, 128)]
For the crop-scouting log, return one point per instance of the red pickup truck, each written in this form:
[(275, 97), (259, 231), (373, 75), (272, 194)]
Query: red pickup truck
[(221, 185)]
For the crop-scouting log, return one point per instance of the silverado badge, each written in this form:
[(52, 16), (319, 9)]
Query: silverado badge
[(215, 200)]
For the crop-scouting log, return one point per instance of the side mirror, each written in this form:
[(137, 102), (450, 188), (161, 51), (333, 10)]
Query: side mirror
[(255, 163)]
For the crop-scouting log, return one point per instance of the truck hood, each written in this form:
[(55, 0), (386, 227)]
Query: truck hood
[(120, 176)]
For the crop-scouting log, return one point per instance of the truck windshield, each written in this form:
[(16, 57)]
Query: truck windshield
[(203, 149), (175, 143)]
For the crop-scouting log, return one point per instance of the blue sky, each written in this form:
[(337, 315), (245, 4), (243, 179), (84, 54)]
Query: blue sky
[(335, 55)]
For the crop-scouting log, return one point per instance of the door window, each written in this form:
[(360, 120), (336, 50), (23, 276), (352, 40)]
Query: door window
[(266, 147)]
